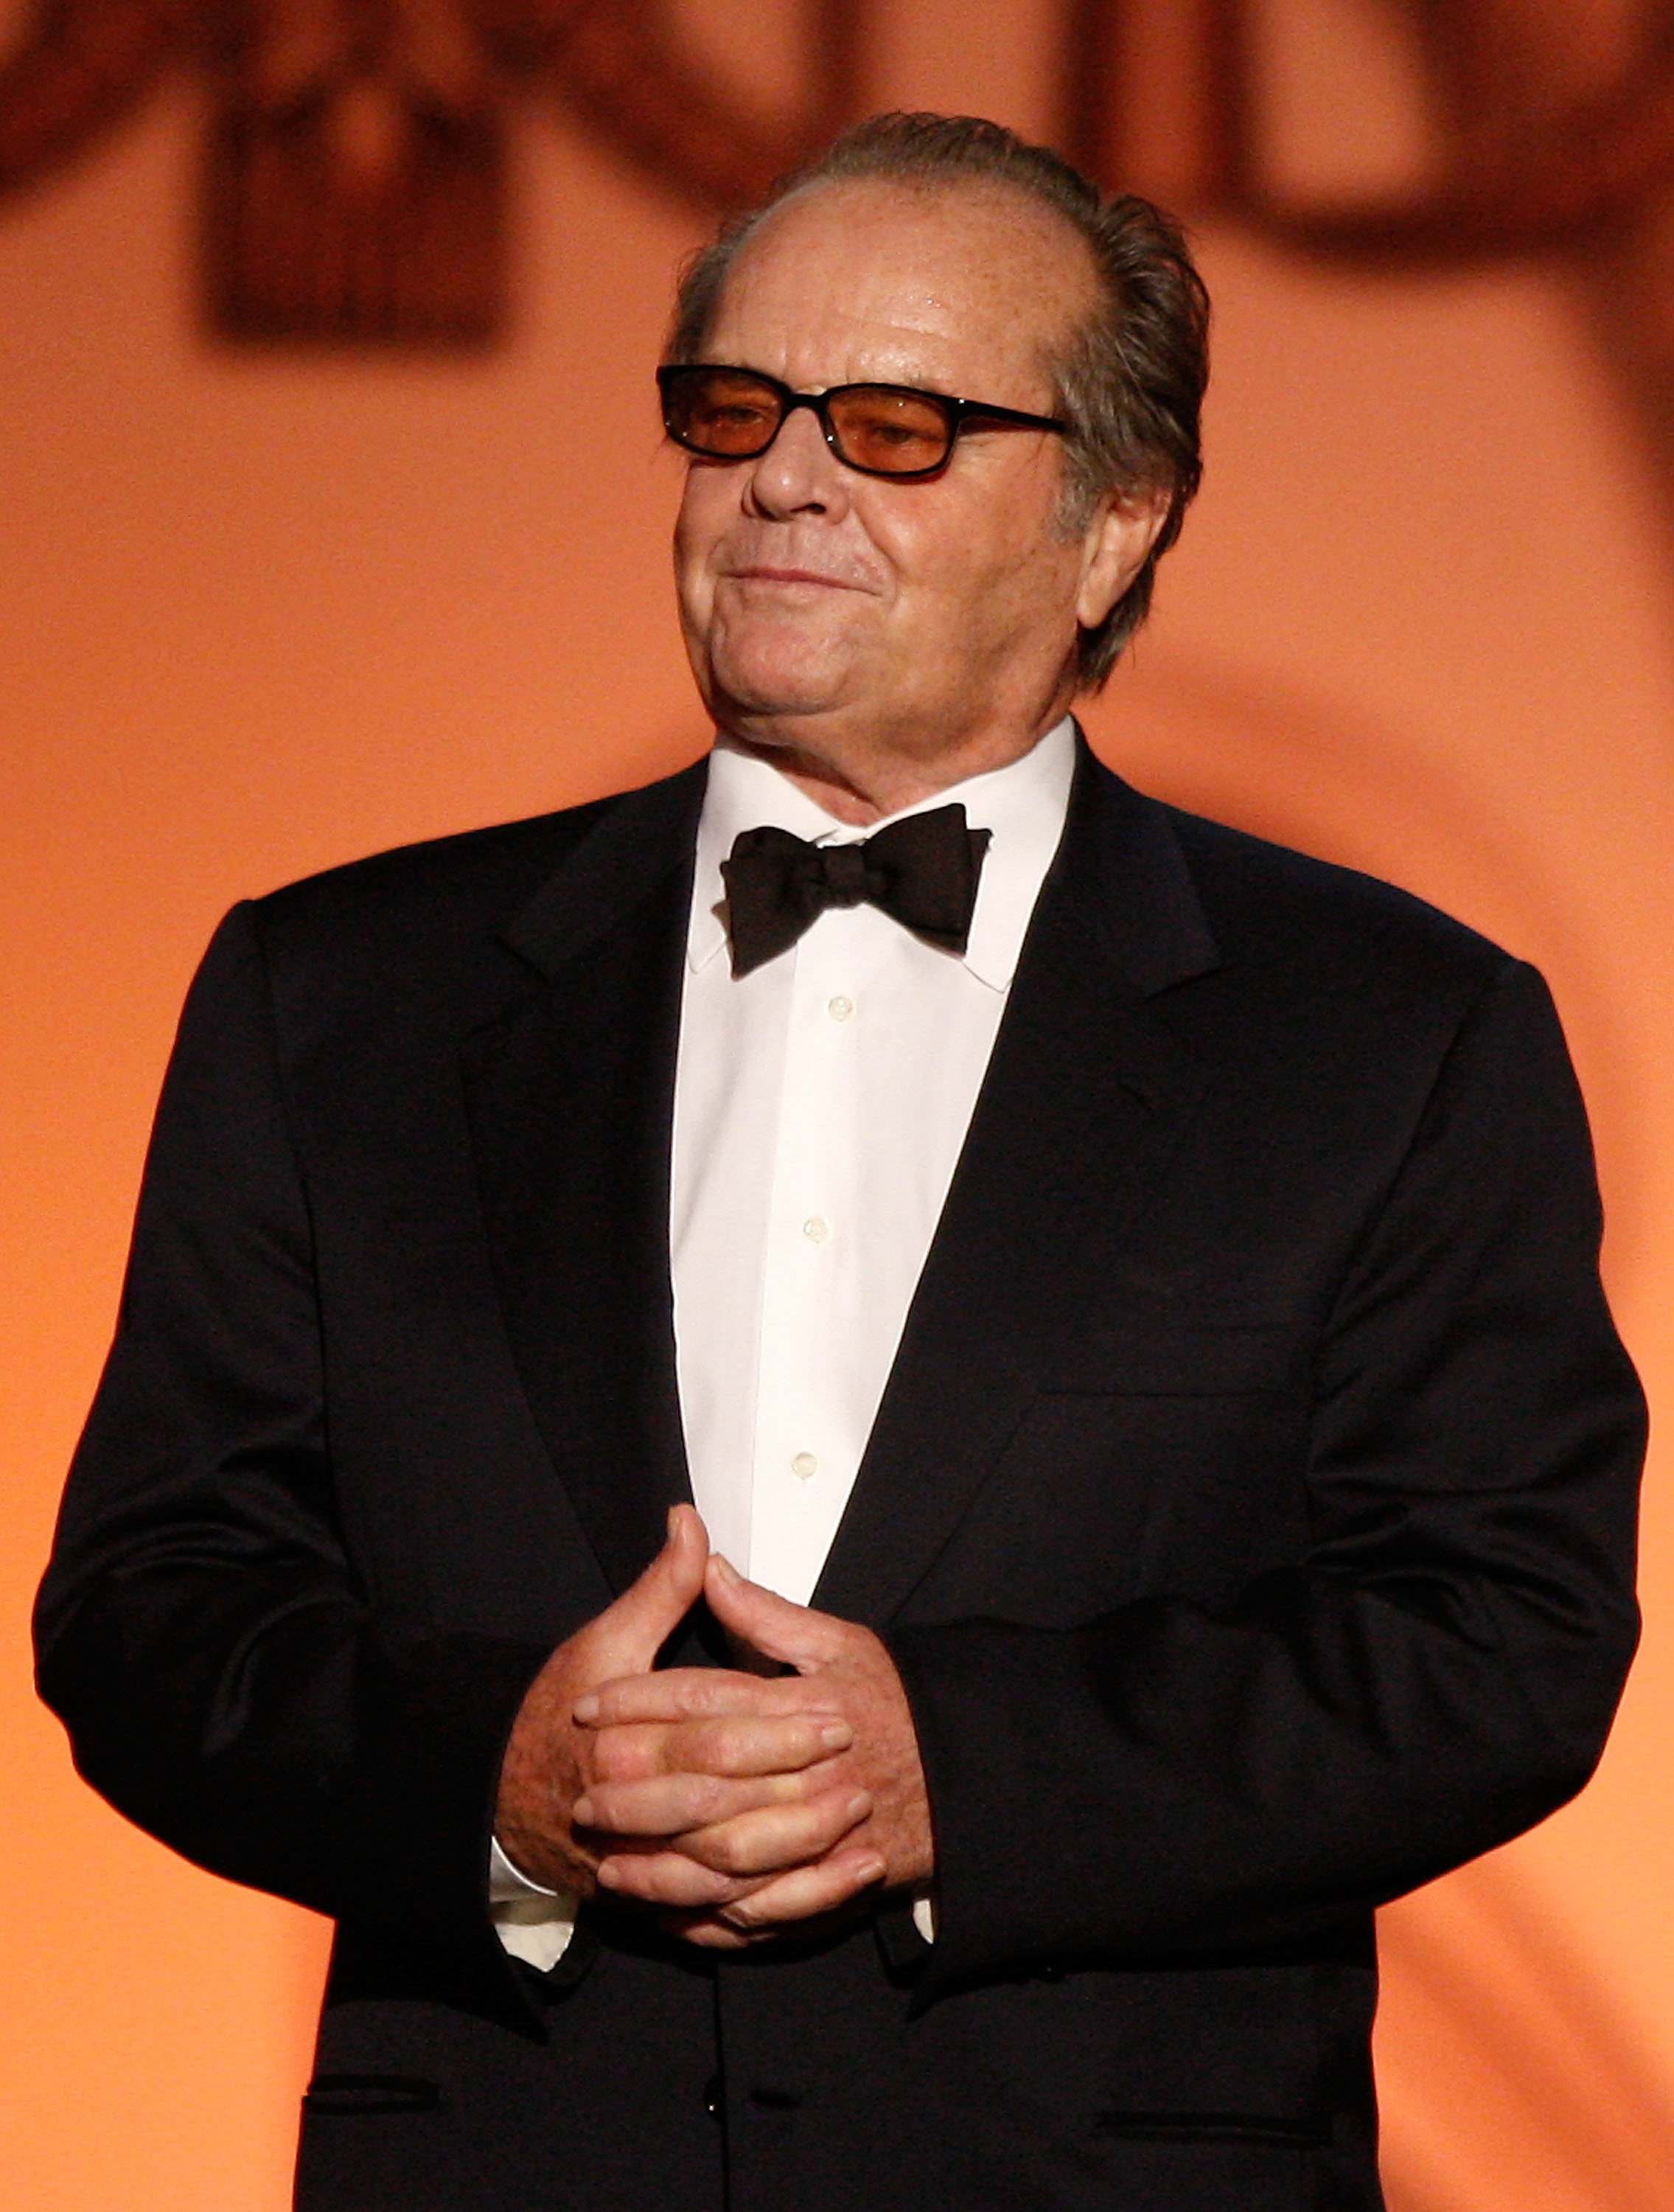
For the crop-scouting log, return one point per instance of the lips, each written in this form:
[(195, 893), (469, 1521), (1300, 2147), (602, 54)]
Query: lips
[(770, 575)]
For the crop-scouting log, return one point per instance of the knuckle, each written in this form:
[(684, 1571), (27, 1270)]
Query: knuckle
[(729, 1853), (710, 1799), (620, 1754), (728, 1748), (659, 1881), (692, 1743), (707, 1886), (830, 1824)]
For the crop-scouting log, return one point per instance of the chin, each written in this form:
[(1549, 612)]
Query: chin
[(801, 678)]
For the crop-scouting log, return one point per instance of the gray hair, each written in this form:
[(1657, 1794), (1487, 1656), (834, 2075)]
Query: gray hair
[(1130, 377)]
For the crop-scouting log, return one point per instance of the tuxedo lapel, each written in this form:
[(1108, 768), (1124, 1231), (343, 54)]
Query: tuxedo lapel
[(1085, 1097), (570, 1097)]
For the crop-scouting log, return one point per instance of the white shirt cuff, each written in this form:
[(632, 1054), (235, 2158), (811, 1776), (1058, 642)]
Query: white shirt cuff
[(533, 1923), (506, 1884)]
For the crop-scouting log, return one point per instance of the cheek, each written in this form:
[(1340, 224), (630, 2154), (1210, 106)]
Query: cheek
[(1035, 570), (1002, 574), (707, 506), (924, 546)]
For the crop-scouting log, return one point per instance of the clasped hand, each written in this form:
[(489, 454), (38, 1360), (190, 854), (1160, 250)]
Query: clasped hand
[(733, 1804)]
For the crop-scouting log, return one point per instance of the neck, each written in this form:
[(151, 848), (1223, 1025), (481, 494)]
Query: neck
[(857, 788)]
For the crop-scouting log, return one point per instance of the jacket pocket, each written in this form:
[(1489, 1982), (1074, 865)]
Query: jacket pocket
[(355, 2096)]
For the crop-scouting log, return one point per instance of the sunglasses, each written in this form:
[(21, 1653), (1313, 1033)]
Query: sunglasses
[(881, 430)]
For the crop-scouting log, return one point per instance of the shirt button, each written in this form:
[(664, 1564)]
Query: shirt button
[(840, 1008), (803, 1466), (815, 1229)]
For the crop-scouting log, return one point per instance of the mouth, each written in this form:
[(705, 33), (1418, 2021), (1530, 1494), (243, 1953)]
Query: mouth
[(764, 574)]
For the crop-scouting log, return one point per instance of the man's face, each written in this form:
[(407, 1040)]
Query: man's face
[(887, 633)]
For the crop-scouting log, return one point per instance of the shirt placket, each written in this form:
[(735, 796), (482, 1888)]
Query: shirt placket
[(807, 1450)]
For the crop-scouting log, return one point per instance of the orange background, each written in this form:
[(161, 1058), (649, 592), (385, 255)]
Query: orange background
[(259, 613)]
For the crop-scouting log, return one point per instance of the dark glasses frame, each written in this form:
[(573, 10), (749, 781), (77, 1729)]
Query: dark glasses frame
[(955, 413)]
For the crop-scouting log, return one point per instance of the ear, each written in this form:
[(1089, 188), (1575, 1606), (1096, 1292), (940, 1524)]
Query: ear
[(1117, 544)]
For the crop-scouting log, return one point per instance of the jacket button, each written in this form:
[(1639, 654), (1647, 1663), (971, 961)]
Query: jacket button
[(712, 2096), (1051, 1973)]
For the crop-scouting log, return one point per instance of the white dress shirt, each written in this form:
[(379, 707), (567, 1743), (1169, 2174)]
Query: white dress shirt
[(821, 1103)]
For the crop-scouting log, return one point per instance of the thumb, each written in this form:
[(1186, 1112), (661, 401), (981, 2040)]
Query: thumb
[(631, 1632), (794, 1634)]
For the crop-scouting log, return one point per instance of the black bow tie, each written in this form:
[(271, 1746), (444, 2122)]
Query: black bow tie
[(923, 871)]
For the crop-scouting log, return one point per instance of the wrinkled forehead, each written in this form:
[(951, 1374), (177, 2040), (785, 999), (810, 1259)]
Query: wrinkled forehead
[(881, 277)]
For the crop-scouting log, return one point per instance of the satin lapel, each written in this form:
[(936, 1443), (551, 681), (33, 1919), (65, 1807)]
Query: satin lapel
[(1085, 1097), (570, 1095)]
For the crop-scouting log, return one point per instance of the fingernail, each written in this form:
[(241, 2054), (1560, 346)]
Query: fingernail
[(858, 1806), (581, 1813), (607, 1877), (836, 1736), (586, 1708), (724, 1568), (872, 1868)]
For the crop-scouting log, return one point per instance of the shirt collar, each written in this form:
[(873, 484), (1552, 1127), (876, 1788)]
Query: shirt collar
[(1023, 805)]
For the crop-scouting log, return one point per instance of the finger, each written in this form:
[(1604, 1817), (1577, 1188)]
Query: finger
[(775, 1838), (805, 1892), (676, 1693), (675, 1804), (706, 1932), (793, 1634), (670, 1880), (735, 1747), (630, 1633)]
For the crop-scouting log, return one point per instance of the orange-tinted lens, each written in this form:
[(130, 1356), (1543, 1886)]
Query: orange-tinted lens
[(722, 412), (892, 432)]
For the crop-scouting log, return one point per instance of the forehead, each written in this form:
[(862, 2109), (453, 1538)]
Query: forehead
[(954, 285)]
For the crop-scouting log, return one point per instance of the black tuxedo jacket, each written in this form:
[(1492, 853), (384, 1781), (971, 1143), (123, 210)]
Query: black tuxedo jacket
[(1249, 1514)]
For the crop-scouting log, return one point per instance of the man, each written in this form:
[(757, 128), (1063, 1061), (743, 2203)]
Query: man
[(1122, 1298)]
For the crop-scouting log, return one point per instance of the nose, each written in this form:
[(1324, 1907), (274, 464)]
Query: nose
[(798, 474)]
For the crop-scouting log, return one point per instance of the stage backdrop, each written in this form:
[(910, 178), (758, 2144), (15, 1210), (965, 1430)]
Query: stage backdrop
[(265, 608)]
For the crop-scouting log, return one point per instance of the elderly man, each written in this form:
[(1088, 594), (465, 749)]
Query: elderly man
[(851, 1451)]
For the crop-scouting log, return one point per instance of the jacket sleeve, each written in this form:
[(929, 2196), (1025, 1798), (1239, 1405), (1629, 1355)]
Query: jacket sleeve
[(1435, 1674), (201, 1630)]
